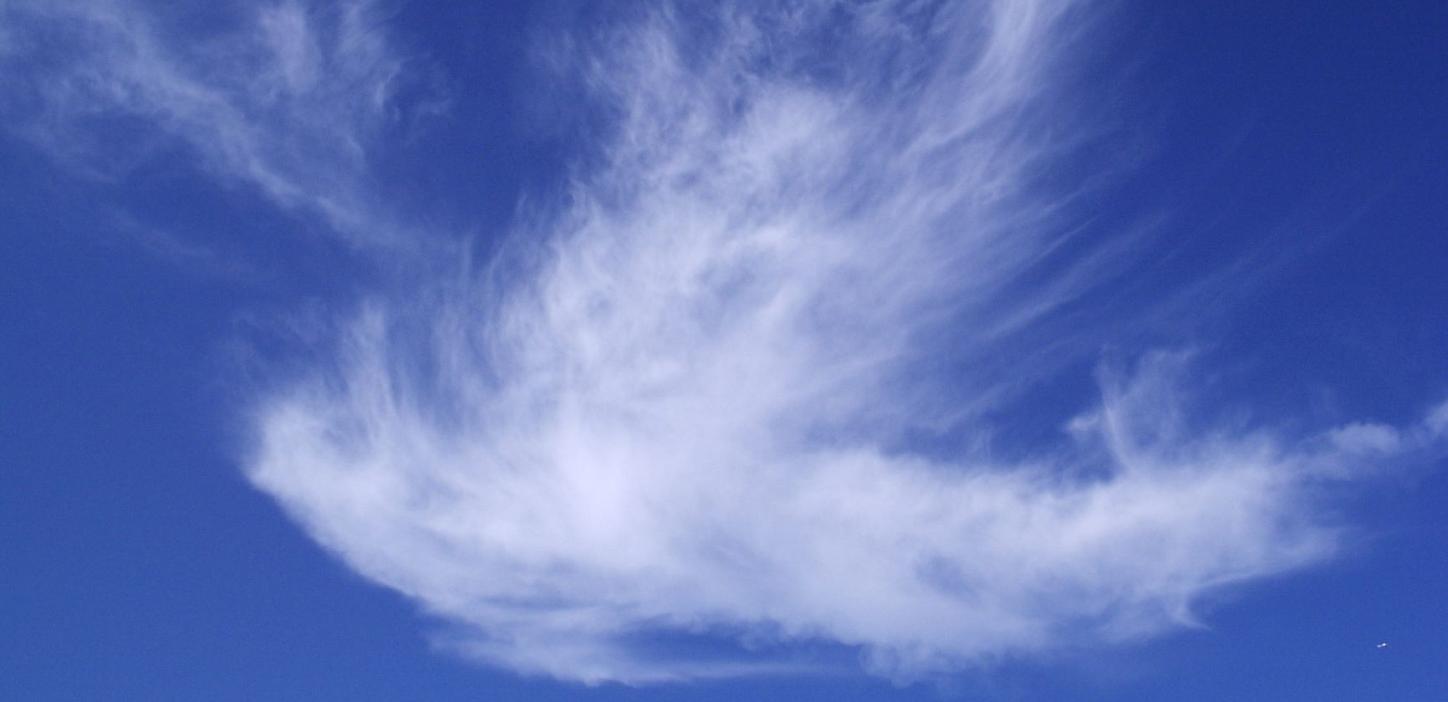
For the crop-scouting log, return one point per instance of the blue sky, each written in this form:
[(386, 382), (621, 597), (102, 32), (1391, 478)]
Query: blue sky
[(1007, 351)]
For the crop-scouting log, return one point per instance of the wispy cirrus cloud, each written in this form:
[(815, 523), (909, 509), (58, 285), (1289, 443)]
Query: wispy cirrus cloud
[(689, 398), (683, 402), (290, 98)]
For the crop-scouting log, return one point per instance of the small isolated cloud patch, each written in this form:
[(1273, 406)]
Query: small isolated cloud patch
[(293, 103)]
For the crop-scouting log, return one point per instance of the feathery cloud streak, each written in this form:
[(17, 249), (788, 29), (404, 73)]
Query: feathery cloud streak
[(688, 413), (293, 103), (683, 402)]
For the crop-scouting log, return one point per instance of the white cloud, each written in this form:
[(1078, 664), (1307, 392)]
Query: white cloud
[(1363, 437), (684, 403), (1436, 424), (292, 102), (811, 232)]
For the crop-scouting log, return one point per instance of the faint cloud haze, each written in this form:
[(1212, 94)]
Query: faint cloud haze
[(249, 102)]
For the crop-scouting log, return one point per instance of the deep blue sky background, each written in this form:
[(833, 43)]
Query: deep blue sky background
[(137, 563)]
